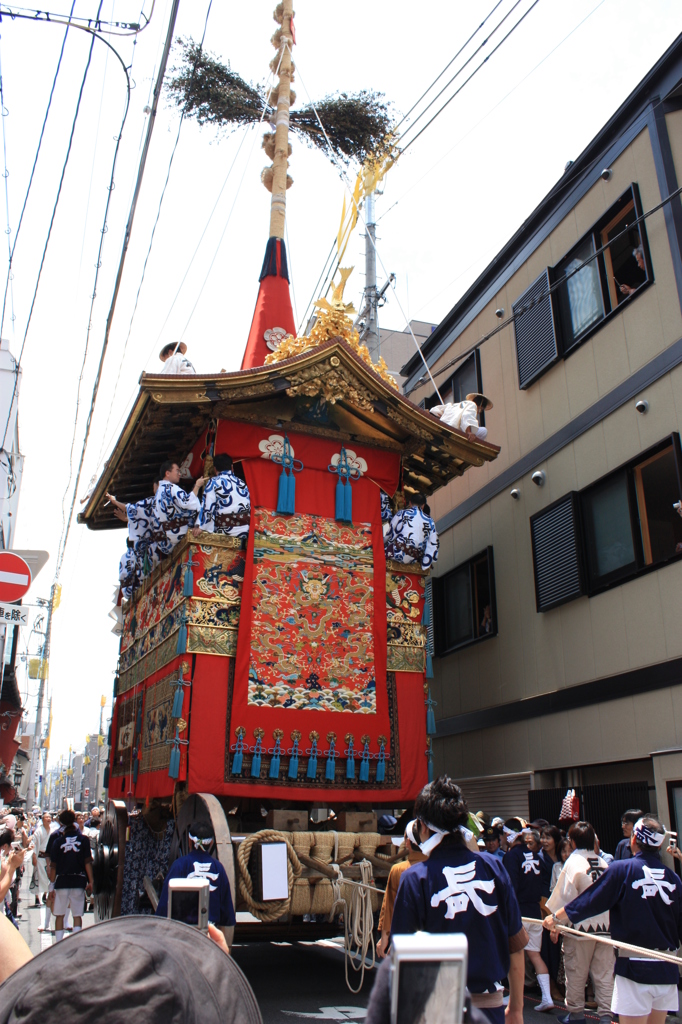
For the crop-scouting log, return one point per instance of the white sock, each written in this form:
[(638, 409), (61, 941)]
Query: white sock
[(58, 935), (77, 928), (543, 982)]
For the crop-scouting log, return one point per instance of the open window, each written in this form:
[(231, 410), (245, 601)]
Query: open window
[(464, 604)]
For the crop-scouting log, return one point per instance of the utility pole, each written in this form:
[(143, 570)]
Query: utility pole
[(45, 751), (102, 702), (37, 739), (370, 332)]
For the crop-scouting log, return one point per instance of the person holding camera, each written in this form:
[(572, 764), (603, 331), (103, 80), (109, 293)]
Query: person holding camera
[(456, 890), (199, 863)]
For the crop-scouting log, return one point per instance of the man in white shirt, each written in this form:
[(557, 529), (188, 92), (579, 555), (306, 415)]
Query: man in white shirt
[(175, 509), (173, 358), (40, 839), (464, 415), (413, 536), (225, 505), (582, 957)]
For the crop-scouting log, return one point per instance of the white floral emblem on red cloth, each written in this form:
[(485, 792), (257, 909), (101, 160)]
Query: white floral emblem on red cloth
[(354, 461), (274, 335), (273, 445)]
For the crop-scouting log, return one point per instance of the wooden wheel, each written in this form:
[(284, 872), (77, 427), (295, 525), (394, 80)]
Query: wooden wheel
[(206, 807), (108, 860)]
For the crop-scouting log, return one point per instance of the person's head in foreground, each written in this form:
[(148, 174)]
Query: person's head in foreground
[(442, 813), (133, 969)]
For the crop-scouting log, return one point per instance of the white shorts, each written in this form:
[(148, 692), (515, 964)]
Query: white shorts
[(534, 937), (69, 899), (633, 999)]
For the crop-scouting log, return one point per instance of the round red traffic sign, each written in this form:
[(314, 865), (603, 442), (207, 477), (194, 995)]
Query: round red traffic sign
[(15, 576)]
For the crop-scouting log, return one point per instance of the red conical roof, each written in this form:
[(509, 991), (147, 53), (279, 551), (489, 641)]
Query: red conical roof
[(273, 318)]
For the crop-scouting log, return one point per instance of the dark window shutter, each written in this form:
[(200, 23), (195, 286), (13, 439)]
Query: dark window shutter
[(536, 340), (557, 553)]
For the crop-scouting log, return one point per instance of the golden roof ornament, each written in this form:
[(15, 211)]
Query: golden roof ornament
[(333, 321)]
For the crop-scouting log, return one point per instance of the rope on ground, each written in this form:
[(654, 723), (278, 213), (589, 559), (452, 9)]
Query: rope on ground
[(273, 909), (653, 954), (358, 924)]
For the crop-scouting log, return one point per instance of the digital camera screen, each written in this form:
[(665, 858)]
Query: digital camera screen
[(429, 992), (185, 906)]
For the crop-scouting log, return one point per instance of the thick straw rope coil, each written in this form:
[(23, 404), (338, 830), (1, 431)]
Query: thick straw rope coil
[(273, 909)]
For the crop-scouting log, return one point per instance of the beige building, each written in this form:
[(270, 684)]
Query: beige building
[(558, 590)]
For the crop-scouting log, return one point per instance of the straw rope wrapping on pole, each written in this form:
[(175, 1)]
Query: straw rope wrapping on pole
[(275, 178), (273, 909), (653, 954)]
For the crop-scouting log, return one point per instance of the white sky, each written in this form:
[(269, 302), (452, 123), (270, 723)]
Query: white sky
[(454, 199)]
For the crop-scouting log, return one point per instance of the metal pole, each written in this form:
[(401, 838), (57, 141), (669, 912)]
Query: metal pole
[(44, 753), (37, 740), (370, 334)]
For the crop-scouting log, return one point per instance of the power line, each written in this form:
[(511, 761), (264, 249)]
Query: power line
[(126, 241), (466, 63), (47, 240), (472, 75), (33, 171), (112, 28), (449, 64)]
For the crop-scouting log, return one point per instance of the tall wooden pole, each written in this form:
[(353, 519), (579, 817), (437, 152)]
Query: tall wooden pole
[(278, 203)]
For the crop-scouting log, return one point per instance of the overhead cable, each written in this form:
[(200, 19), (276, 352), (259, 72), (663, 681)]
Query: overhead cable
[(33, 171), (47, 240), (472, 75), (448, 65), (112, 28), (126, 242)]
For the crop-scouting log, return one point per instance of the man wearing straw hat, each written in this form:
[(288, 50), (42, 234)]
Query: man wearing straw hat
[(173, 358), (644, 899), (464, 415)]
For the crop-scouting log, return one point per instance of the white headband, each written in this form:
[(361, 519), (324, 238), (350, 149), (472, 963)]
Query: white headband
[(410, 833), (512, 836), (433, 841), (646, 836), (202, 843)]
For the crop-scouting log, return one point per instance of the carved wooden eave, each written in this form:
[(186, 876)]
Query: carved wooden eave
[(170, 413)]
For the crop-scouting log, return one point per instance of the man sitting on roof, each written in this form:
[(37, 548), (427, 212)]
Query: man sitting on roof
[(464, 415), (173, 358), (226, 504), (413, 536), (175, 509)]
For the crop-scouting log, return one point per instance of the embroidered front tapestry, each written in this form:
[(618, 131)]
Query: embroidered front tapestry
[(312, 636)]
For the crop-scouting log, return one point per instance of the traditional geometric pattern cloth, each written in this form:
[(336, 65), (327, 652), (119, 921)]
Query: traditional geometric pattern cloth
[(312, 639)]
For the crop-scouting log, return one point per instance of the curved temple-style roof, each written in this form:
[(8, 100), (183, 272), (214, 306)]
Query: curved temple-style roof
[(326, 391)]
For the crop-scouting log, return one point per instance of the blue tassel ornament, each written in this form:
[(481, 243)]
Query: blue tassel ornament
[(188, 587), (429, 756), (343, 506), (311, 770), (136, 765), (381, 760), (276, 752), (257, 751), (430, 716), (350, 756), (178, 701), (181, 647), (426, 617), (292, 772), (238, 748), (340, 508), (174, 768), (331, 753), (429, 667), (286, 492), (364, 761), (348, 503)]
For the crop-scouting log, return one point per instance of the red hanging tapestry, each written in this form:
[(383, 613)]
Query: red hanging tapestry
[(312, 631)]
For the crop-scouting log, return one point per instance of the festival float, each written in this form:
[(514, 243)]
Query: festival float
[(258, 683)]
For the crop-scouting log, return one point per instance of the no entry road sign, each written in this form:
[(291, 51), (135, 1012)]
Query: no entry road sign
[(15, 576)]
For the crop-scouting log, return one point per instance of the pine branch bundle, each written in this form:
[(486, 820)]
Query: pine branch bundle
[(357, 125)]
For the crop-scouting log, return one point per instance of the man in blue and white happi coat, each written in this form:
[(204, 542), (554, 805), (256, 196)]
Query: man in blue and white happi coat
[(644, 900), (413, 536), (226, 504), (200, 862), (175, 509), (128, 571)]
